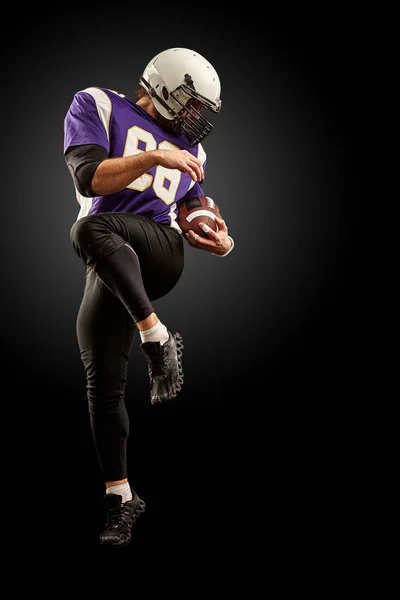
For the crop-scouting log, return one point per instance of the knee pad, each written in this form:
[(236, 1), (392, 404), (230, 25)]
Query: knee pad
[(93, 239)]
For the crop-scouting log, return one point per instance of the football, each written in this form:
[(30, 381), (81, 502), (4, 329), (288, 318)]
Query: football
[(193, 211)]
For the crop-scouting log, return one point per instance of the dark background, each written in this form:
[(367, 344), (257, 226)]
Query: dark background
[(249, 452)]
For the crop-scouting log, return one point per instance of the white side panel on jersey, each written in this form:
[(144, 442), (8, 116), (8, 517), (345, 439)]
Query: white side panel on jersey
[(201, 155), (175, 225), (103, 105), (85, 204)]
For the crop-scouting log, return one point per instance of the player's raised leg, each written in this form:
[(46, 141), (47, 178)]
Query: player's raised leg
[(123, 249)]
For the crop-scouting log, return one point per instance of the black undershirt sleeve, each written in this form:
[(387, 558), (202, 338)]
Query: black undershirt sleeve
[(82, 162)]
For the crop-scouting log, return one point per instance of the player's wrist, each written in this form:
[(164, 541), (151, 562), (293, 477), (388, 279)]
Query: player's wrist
[(154, 157), (230, 249)]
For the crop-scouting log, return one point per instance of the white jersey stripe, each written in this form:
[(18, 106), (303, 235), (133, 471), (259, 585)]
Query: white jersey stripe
[(85, 204), (103, 105), (201, 155)]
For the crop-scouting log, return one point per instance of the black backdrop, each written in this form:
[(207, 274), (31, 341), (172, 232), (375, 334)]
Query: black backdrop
[(248, 453)]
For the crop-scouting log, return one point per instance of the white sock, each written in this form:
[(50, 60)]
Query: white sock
[(123, 489), (158, 333)]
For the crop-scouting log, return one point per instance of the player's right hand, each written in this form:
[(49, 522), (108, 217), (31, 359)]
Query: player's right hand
[(216, 242), (181, 160)]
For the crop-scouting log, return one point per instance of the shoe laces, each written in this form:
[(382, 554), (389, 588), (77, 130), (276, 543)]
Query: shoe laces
[(157, 364), (117, 517)]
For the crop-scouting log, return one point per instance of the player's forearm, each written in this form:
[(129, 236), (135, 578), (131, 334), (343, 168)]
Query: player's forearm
[(115, 174)]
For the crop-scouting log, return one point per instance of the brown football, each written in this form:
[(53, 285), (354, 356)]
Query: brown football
[(200, 209)]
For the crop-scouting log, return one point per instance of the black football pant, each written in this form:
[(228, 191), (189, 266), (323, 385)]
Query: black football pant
[(130, 262)]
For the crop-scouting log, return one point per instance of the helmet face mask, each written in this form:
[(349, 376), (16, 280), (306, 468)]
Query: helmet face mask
[(181, 83)]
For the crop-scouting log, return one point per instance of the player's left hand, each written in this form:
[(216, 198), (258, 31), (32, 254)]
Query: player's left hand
[(216, 242)]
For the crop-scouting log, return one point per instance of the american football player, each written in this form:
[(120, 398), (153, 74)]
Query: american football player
[(132, 163)]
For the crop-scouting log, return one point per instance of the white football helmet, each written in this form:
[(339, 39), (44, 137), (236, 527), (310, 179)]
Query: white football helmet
[(180, 83)]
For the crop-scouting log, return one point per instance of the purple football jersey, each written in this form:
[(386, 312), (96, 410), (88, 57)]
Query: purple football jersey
[(109, 119)]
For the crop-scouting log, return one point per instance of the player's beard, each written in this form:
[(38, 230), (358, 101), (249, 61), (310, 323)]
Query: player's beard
[(166, 123)]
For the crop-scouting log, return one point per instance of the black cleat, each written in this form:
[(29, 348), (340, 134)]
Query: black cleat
[(165, 367), (119, 519)]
